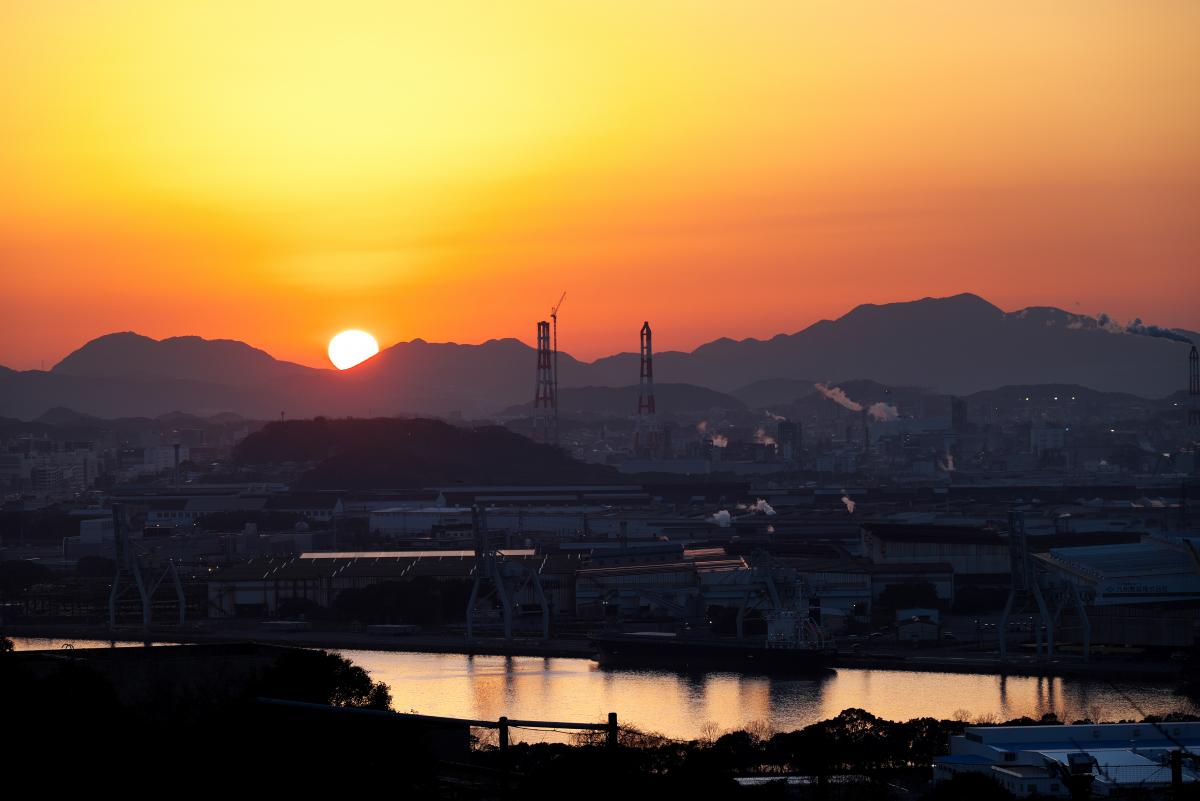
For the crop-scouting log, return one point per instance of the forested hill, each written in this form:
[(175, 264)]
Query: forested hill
[(365, 453)]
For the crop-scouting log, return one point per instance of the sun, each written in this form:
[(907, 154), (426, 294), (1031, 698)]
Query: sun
[(351, 347)]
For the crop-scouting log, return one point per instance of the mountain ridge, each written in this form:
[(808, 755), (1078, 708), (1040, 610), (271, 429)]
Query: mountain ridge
[(957, 344)]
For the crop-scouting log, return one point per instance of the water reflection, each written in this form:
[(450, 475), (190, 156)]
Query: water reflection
[(680, 705), (686, 705)]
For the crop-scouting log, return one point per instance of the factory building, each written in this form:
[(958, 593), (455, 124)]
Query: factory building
[(1145, 593), (258, 586), (1110, 758), (679, 587), (970, 551)]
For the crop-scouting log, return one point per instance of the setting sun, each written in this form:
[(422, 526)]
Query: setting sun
[(351, 347)]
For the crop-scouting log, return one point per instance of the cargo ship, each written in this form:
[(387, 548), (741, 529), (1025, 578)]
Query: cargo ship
[(793, 644)]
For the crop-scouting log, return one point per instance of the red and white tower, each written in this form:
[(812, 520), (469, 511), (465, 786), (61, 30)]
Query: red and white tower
[(646, 438), (545, 395)]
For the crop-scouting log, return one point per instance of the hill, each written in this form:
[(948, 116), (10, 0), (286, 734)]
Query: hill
[(359, 453)]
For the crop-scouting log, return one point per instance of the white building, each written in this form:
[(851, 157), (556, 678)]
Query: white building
[(1046, 760)]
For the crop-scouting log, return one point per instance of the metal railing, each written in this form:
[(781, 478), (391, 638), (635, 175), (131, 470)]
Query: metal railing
[(503, 725)]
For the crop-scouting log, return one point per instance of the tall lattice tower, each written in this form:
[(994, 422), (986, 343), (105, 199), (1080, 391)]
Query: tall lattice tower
[(646, 439), (1194, 390), (545, 396)]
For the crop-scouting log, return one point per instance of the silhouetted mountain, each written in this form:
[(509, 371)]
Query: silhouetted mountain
[(957, 345), (773, 392), (1014, 394), (622, 401), (395, 453), (438, 378), (218, 361), (62, 416)]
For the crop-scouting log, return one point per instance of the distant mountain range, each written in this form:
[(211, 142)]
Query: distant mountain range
[(960, 345)]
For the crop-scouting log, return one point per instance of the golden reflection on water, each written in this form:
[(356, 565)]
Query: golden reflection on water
[(688, 705), (680, 705)]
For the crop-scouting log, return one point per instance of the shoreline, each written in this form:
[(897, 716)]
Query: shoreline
[(1163, 672)]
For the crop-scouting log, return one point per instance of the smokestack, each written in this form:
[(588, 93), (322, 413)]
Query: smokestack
[(176, 473), (866, 432)]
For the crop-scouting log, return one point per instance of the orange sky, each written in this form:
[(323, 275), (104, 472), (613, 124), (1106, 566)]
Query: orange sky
[(278, 171)]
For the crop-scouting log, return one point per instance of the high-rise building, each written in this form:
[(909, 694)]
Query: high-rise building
[(787, 437)]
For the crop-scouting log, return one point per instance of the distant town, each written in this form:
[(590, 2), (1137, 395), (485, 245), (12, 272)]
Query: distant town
[(789, 529)]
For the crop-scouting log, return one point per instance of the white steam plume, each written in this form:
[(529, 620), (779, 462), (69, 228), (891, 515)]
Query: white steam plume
[(765, 508), (720, 441), (722, 518), (763, 438), (883, 412), (836, 395)]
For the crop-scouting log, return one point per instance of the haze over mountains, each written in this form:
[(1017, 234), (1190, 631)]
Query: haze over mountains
[(960, 344)]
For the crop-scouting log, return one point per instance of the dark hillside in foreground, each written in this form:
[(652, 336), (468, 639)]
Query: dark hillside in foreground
[(359, 453)]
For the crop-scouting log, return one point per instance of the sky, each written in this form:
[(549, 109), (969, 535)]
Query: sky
[(276, 172)]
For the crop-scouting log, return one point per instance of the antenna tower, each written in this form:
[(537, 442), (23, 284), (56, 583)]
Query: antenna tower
[(545, 399), (646, 435)]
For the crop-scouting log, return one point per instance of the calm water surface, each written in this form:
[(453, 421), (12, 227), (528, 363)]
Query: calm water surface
[(684, 706)]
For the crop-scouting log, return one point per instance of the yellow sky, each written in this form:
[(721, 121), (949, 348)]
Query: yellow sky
[(279, 171)]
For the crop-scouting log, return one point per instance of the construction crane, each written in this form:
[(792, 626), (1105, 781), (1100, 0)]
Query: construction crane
[(554, 318)]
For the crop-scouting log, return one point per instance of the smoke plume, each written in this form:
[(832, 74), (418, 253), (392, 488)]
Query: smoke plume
[(722, 518), (1138, 327), (1141, 329), (720, 441), (763, 438), (849, 504), (883, 412), (836, 395), (765, 508)]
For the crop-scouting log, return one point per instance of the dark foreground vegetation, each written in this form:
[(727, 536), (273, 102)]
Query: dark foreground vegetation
[(200, 711)]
